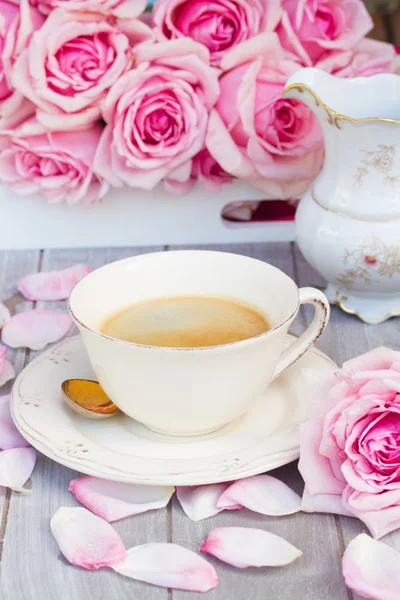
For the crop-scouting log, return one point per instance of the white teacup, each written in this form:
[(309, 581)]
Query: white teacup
[(191, 391)]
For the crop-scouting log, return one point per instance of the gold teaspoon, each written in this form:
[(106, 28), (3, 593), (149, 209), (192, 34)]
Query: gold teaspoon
[(87, 398)]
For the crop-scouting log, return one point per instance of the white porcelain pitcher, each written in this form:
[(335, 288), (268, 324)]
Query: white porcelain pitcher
[(348, 223)]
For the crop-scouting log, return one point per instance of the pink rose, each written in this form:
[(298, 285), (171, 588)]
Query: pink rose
[(119, 8), (204, 169), (209, 172), (311, 29), (56, 164), (350, 448), (69, 66), (368, 57), (17, 22), (273, 143), (219, 24), (157, 115)]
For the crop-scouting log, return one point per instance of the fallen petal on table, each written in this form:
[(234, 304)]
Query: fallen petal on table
[(247, 547), (86, 540), (170, 566), (16, 466), (263, 494), (200, 502), (372, 569), (113, 500), (52, 285), (10, 437), (35, 329)]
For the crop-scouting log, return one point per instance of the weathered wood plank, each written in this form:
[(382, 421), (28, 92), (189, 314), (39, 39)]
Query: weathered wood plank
[(317, 573), (32, 567), (12, 266)]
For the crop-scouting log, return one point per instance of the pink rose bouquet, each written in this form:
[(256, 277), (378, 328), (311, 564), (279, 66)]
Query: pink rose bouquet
[(157, 115), (349, 449), (57, 164), (189, 94)]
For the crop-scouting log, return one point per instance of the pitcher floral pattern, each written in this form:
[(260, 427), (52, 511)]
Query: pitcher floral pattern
[(371, 257), (381, 160)]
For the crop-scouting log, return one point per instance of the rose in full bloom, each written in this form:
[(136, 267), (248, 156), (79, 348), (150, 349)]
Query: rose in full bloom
[(123, 9), (17, 23), (368, 57), (204, 169), (218, 24), (350, 447), (157, 115), (312, 29), (273, 143), (69, 66), (55, 164)]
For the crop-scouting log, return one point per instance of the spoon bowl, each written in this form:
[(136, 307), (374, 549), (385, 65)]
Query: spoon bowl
[(88, 399)]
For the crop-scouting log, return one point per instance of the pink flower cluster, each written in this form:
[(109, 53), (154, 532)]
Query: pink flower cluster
[(349, 448), (99, 93)]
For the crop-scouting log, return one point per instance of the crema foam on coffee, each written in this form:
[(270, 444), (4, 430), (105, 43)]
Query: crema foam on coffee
[(186, 322)]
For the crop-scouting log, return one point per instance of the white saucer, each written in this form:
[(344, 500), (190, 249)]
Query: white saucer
[(124, 450)]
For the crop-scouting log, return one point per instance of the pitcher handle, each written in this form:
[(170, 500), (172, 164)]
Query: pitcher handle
[(308, 295)]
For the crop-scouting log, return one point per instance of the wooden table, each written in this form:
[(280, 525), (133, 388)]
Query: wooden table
[(31, 565)]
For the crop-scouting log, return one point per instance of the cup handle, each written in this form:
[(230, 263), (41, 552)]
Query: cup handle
[(308, 295)]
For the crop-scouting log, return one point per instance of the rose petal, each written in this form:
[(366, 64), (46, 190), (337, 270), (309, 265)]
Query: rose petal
[(201, 502), (319, 386), (16, 466), (4, 314), (379, 522), (379, 358), (315, 468), (10, 437), (246, 547), (371, 568), (112, 500), (55, 285), (324, 503), (263, 494), (35, 328), (86, 540), (168, 565)]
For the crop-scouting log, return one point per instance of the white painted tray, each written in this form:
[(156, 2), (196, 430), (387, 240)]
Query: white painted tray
[(129, 217)]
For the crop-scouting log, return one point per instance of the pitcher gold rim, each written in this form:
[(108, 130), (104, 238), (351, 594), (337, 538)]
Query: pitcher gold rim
[(301, 87)]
